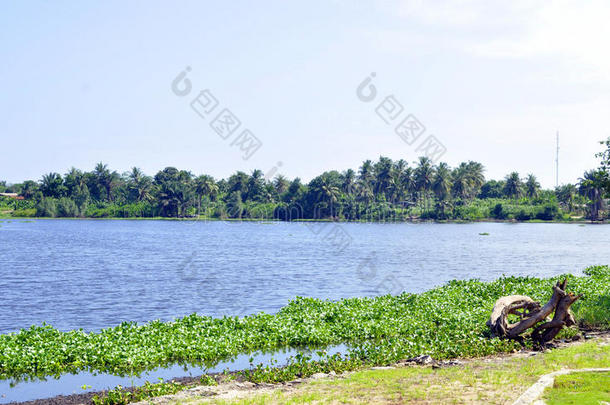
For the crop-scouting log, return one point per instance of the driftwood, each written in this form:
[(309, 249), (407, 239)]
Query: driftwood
[(531, 313)]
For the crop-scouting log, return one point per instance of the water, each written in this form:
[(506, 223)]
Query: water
[(93, 274), (83, 382)]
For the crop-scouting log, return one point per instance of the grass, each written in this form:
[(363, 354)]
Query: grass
[(483, 381), (579, 388)]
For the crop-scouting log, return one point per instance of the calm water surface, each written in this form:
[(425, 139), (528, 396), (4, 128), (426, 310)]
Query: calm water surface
[(93, 274)]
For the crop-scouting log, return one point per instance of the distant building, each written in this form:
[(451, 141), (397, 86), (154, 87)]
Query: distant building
[(11, 195)]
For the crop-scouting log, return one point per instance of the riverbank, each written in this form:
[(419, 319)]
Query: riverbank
[(497, 379), (579, 220), (446, 322), (493, 379)]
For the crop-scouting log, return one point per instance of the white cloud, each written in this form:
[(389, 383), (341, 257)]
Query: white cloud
[(575, 34)]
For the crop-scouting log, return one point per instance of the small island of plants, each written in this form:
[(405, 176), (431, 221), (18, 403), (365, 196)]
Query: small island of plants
[(445, 322)]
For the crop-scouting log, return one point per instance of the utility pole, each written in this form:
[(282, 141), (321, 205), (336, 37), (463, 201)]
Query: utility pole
[(557, 163)]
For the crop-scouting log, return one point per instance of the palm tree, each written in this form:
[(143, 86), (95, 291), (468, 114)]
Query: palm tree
[(591, 186), (398, 190), (140, 184), (565, 196), (256, 186), (476, 178), (135, 174), (74, 180), (513, 187), (281, 184), (349, 178), (364, 193), (424, 174), (329, 193), (52, 185), (441, 186), (461, 182), (366, 173), (238, 182), (383, 174), (105, 178), (532, 187), (407, 183), (393, 189), (29, 189), (205, 185), (174, 197)]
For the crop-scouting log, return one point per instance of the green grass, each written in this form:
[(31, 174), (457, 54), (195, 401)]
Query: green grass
[(579, 389), (481, 381), (445, 322)]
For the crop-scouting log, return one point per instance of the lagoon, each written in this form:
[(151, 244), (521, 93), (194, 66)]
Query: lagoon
[(93, 274)]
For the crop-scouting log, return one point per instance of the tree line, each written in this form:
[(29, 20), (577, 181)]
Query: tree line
[(380, 190)]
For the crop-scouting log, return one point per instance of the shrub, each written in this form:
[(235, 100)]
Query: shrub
[(46, 208), (66, 207), (498, 212), (548, 212), (522, 215), (25, 213)]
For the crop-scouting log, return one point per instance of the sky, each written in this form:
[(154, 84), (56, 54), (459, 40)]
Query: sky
[(83, 82)]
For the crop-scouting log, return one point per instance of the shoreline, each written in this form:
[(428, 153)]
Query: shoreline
[(361, 323), (409, 221), (233, 385)]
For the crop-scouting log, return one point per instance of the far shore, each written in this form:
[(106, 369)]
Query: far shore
[(577, 221)]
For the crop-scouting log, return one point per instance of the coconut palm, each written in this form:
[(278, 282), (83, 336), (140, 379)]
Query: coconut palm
[(364, 193), (461, 182), (366, 173), (424, 174), (565, 195), (106, 179), (330, 193), (513, 186), (441, 184), (174, 198), (140, 184), (591, 186), (256, 187), (383, 174), (238, 182), (29, 189), (407, 183), (398, 191), (280, 184), (205, 185), (349, 178), (476, 178), (52, 185), (532, 187), (74, 180)]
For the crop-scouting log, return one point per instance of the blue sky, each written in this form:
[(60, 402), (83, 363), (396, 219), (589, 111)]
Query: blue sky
[(83, 82)]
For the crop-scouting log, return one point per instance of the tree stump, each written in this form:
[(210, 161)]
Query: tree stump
[(531, 313)]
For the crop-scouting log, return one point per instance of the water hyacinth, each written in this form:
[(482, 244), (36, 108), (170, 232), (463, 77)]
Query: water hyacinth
[(445, 322)]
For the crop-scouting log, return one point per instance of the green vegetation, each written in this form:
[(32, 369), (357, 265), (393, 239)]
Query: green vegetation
[(385, 190), (579, 389), (489, 381), (445, 322), (120, 395)]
